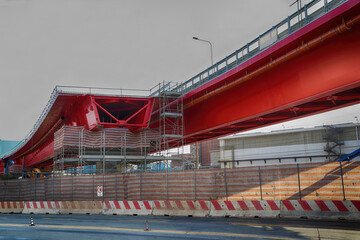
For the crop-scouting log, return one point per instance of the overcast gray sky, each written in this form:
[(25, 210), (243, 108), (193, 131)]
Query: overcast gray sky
[(120, 44)]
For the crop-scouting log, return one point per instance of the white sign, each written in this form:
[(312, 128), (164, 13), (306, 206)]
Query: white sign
[(99, 191)]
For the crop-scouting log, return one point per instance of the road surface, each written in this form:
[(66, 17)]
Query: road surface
[(88, 227)]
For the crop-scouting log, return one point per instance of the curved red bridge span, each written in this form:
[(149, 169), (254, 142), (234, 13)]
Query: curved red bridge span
[(311, 70)]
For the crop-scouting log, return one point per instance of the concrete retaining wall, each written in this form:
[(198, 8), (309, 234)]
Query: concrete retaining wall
[(311, 209)]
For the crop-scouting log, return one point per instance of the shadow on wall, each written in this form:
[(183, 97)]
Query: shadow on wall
[(309, 181), (335, 182)]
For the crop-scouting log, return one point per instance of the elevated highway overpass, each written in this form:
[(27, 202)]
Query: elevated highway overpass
[(307, 64)]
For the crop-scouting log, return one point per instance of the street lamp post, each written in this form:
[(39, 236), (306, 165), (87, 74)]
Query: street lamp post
[(298, 3), (211, 49), (212, 64)]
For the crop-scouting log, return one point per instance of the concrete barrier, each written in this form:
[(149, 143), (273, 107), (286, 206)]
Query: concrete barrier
[(311, 209), (321, 209), (11, 207), (143, 208), (42, 207), (255, 208), (81, 207), (181, 208)]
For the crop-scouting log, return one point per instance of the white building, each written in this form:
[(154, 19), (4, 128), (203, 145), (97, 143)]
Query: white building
[(318, 144)]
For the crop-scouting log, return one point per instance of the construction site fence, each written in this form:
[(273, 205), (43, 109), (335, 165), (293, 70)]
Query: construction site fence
[(310, 181)]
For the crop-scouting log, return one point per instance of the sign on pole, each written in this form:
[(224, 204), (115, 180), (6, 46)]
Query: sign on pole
[(99, 191)]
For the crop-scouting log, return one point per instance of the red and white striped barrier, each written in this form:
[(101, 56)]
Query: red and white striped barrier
[(312, 209), (321, 209), (255, 208), (181, 208), (81, 207), (42, 207), (11, 207), (128, 207)]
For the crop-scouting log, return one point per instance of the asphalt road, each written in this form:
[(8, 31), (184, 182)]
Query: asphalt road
[(88, 227)]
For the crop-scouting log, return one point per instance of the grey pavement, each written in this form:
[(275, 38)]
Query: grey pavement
[(88, 227)]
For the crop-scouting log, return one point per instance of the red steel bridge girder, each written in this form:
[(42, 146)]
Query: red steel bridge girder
[(329, 69), (81, 110), (323, 78), (41, 154), (95, 111), (130, 112)]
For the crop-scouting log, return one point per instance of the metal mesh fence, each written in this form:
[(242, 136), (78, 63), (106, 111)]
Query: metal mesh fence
[(277, 182)]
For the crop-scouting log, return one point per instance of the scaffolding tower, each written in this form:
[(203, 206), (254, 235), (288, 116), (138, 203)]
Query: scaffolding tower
[(171, 124)]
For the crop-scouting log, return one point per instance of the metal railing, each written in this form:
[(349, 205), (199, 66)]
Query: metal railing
[(165, 87), (288, 26), (118, 92)]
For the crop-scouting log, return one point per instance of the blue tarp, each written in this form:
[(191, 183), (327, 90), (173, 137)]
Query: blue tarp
[(6, 146)]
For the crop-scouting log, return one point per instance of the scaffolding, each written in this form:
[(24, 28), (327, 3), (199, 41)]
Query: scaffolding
[(78, 150), (170, 121)]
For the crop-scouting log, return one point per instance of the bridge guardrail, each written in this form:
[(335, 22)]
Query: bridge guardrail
[(102, 91), (291, 24)]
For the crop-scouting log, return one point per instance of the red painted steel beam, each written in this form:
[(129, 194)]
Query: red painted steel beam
[(78, 110), (328, 21), (268, 120), (134, 112), (136, 115), (106, 112), (326, 70), (41, 154)]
